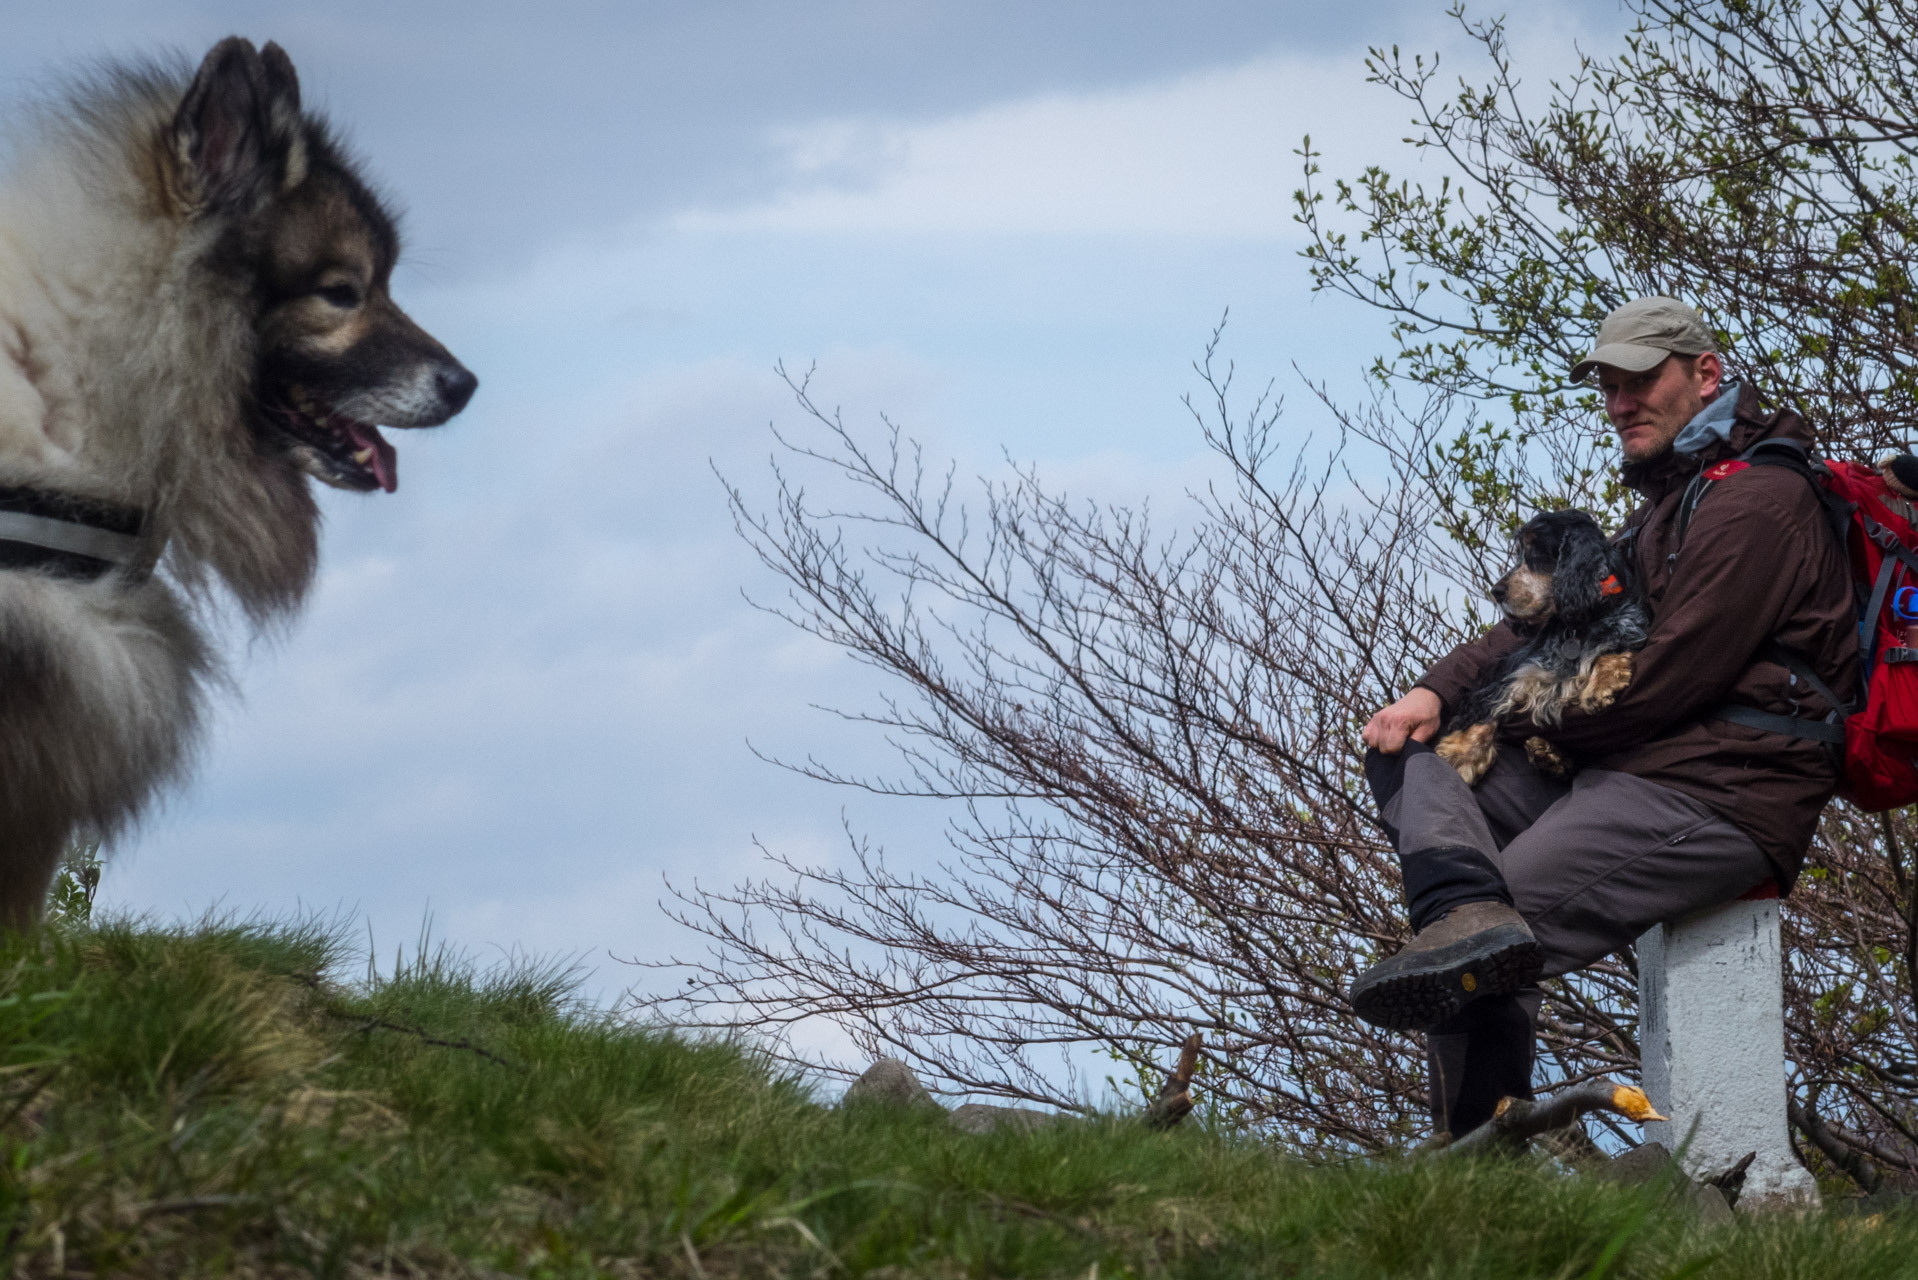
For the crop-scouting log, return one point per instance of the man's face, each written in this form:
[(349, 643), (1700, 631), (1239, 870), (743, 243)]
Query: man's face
[(1649, 409)]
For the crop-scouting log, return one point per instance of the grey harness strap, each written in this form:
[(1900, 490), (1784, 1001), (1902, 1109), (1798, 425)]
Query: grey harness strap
[(117, 549), (65, 535)]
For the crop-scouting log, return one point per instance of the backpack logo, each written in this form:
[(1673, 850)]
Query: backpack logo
[(1729, 467)]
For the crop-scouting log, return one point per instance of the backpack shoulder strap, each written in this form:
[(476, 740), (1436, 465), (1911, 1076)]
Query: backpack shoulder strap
[(1773, 451), (1779, 451)]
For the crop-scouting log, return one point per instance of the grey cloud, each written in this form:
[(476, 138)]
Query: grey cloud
[(507, 125)]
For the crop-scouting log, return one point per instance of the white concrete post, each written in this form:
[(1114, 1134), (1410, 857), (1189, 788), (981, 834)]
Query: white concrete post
[(1712, 1028)]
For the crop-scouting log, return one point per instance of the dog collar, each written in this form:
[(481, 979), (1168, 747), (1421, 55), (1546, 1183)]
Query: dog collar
[(66, 535)]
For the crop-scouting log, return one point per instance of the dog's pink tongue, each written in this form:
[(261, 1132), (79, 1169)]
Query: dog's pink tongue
[(386, 462)]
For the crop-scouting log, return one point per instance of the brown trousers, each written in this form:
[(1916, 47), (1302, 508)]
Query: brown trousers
[(1590, 864)]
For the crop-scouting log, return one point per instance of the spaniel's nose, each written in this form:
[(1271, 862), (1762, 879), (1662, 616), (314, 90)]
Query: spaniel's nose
[(1498, 591)]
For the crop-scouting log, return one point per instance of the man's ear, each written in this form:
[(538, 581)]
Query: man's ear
[(1711, 373), (236, 132)]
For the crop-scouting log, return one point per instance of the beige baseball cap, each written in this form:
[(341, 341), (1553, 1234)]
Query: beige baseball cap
[(1643, 332)]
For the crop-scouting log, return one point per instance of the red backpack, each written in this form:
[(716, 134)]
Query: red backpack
[(1878, 728)]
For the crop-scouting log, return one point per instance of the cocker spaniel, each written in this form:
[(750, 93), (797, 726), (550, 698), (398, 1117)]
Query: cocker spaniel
[(1576, 601)]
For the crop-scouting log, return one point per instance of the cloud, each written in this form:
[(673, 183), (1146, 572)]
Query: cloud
[(1210, 154), (506, 124)]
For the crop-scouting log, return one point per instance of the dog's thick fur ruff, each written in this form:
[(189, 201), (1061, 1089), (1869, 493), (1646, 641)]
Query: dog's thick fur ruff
[(1578, 603), (177, 252)]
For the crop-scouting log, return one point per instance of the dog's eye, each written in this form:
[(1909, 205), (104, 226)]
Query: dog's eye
[(343, 296)]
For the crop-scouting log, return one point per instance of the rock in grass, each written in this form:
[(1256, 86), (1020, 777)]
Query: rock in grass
[(889, 1082), (1650, 1161), (1633, 1168), (1711, 1204), (978, 1117)]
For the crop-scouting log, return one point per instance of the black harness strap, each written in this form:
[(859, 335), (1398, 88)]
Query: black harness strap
[(1829, 732), (1831, 729)]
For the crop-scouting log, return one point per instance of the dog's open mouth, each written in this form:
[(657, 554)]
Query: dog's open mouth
[(334, 448)]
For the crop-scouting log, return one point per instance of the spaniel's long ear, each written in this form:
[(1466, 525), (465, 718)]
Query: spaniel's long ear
[(1578, 581), (236, 133)]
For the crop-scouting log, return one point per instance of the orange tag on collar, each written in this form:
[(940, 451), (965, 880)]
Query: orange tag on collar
[(1729, 467), (1610, 586)]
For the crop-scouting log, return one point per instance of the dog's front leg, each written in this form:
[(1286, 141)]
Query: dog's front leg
[(30, 849), (1471, 751), (1610, 674)]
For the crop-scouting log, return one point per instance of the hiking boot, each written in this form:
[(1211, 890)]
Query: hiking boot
[(1477, 949)]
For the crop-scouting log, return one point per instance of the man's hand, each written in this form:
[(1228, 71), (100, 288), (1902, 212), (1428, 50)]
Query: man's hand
[(1415, 716)]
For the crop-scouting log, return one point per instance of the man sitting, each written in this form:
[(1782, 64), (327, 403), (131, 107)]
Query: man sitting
[(1674, 809)]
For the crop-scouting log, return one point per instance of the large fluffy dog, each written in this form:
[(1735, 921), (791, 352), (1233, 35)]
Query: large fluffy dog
[(194, 321), (1576, 601)]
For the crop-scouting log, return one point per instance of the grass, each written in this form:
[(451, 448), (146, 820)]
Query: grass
[(214, 1101)]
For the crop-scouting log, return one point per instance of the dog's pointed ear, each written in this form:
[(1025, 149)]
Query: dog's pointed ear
[(237, 128), (283, 114)]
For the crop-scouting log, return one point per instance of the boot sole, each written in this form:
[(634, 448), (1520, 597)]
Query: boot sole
[(1429, 988)]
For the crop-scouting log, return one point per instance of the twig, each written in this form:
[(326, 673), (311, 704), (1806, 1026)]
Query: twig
[(381, 1024), (692, 1255), (806, 1233), (1174, 1102), (1519, 1120), (189, 1204), (369, 1025)]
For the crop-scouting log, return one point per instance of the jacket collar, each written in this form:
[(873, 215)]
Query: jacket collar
[(1657, 477)]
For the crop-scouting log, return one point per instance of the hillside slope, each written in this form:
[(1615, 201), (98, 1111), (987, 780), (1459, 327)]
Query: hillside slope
[(218, 1101)]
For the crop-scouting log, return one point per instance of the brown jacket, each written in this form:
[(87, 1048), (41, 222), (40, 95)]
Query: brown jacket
[(1759, 562)]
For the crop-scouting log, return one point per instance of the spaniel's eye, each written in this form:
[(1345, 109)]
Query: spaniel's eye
[(343, 296)]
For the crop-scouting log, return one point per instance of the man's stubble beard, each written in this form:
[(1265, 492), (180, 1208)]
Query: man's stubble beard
[(1632, 454), (1657, 447)]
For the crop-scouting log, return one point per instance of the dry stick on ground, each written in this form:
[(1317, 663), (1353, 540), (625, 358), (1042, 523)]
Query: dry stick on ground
[(1174, 1102), (1519, 1119), (370, 1025)]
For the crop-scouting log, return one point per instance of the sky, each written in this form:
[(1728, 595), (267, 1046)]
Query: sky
[(527, 690)]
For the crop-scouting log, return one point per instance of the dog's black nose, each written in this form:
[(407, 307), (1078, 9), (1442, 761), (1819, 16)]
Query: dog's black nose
[(456, 385), (1498, 591)]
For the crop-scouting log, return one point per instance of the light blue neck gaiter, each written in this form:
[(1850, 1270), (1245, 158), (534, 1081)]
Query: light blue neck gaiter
[(1713, 423)]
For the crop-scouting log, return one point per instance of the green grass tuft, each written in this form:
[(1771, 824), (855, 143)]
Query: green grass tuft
[(216, 1101)]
